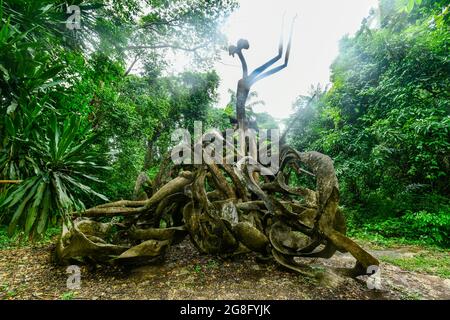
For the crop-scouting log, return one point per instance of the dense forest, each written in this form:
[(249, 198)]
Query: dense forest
[(77, 127), (385, 122), (87, 111)]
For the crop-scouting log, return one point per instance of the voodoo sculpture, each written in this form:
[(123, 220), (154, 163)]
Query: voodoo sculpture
[(225, 209)]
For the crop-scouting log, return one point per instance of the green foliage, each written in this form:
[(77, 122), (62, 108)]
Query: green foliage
[(434, 262), (187, 24), (70, 295), (408, 5), (135, 116), (263, 119), (25, 85), (53, 163), (428, 227), (70, 108), (385, 121), (212, 264), (6, 292), (19, 240), (60, 162)]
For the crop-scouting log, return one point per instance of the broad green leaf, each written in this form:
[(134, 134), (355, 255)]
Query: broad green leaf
[(17, 195), (410, 6), (33, 212), (62, 196), (20, 209), (30, 218), (43, 219), (10, 126), (68, 137), (51, 72), (89, 177), (84, 188)]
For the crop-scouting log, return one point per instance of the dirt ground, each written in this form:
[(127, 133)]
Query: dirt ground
[(28, 273)]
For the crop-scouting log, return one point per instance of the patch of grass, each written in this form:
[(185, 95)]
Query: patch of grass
[(19, 241), (431, 262), (201, 268), (11, 294), (212, 264), (198, 268), (412, 296), (377, 240), (68, 295), (6, 292)]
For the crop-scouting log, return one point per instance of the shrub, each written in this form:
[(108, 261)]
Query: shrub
[(427, 227)]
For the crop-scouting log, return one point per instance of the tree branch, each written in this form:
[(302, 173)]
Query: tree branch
[(136, 58), (165, 46)]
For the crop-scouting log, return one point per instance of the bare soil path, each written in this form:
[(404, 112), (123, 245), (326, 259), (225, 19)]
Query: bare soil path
[(28, 273)]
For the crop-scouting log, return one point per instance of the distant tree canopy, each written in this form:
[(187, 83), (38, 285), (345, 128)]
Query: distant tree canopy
[(50, 73)]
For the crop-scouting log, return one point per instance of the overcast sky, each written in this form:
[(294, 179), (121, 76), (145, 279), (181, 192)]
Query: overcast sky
[(319, 27)]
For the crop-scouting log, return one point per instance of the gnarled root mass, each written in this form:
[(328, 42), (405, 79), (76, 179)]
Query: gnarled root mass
[(226, 209)]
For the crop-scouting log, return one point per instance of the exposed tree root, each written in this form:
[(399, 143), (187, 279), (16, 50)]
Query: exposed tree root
[(226, 210)]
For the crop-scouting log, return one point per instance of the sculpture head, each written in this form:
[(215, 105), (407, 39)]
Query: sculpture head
[(232, 50), (241, 44)]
